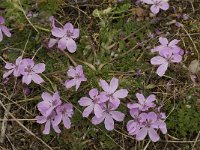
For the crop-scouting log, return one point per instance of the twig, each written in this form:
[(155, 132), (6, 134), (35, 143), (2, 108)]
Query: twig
[(3, 59), (147, 145), (36, 52), (193, 147), (17, 119), (4, 124), (26, 44), (195, 47), (70, 58)]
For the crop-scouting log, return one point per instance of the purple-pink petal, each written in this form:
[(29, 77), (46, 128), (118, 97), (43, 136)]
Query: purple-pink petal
[(56, 96), (76, 33), (142, 133), (151, 117), (155, 9), (109, 122), (85, 101), (66, 122), (158, 60), (5, 30), (70, 83), (47, 127), (163, 41), (164, 5), (148, 1), (26, 79), (78, 83), (140, 98), (46, 96), (40, 119), (176, 58), (9, 66), (174, 42), (132, 127), (62, 44), (118, 116), (113, 85), (115, 102), (1, 35), (69, 27), (88, 110), (52, 42), (57, 119), (7, 73), (98, 110), (56, 129), (71, 45), (71, 72), (121, 93), (39, 68), (96, 120), (93, 93), (153, 135), (162, 69), (2, 20), (151, 98), (104, 85), (58, 32), (36, 78)]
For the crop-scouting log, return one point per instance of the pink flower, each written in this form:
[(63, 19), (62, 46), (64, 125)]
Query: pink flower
[(133, 126), (111, 93), (13, 68), (148, 127), (185, 16), (77, 75), (49, 103), (3, 29), (52, 119), (165, 60), (93, 103), (156, 5), (65, 112), (144, 103), (147, 119), (30, 71), (165, 44), (178, 24), (161, 121), (108, 116), (64, 37)]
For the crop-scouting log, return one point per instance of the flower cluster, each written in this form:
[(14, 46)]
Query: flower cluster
[(147, 118), (104, 104), (64, 36), (53, 112), (27, 68), (156, 5), (3, 29), (169, 52)]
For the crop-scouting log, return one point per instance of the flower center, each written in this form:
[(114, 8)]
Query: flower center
[(63, 111), (69, 34), (157, 3), (54, 103), (96, 99), (77, 76), (28, 69)]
